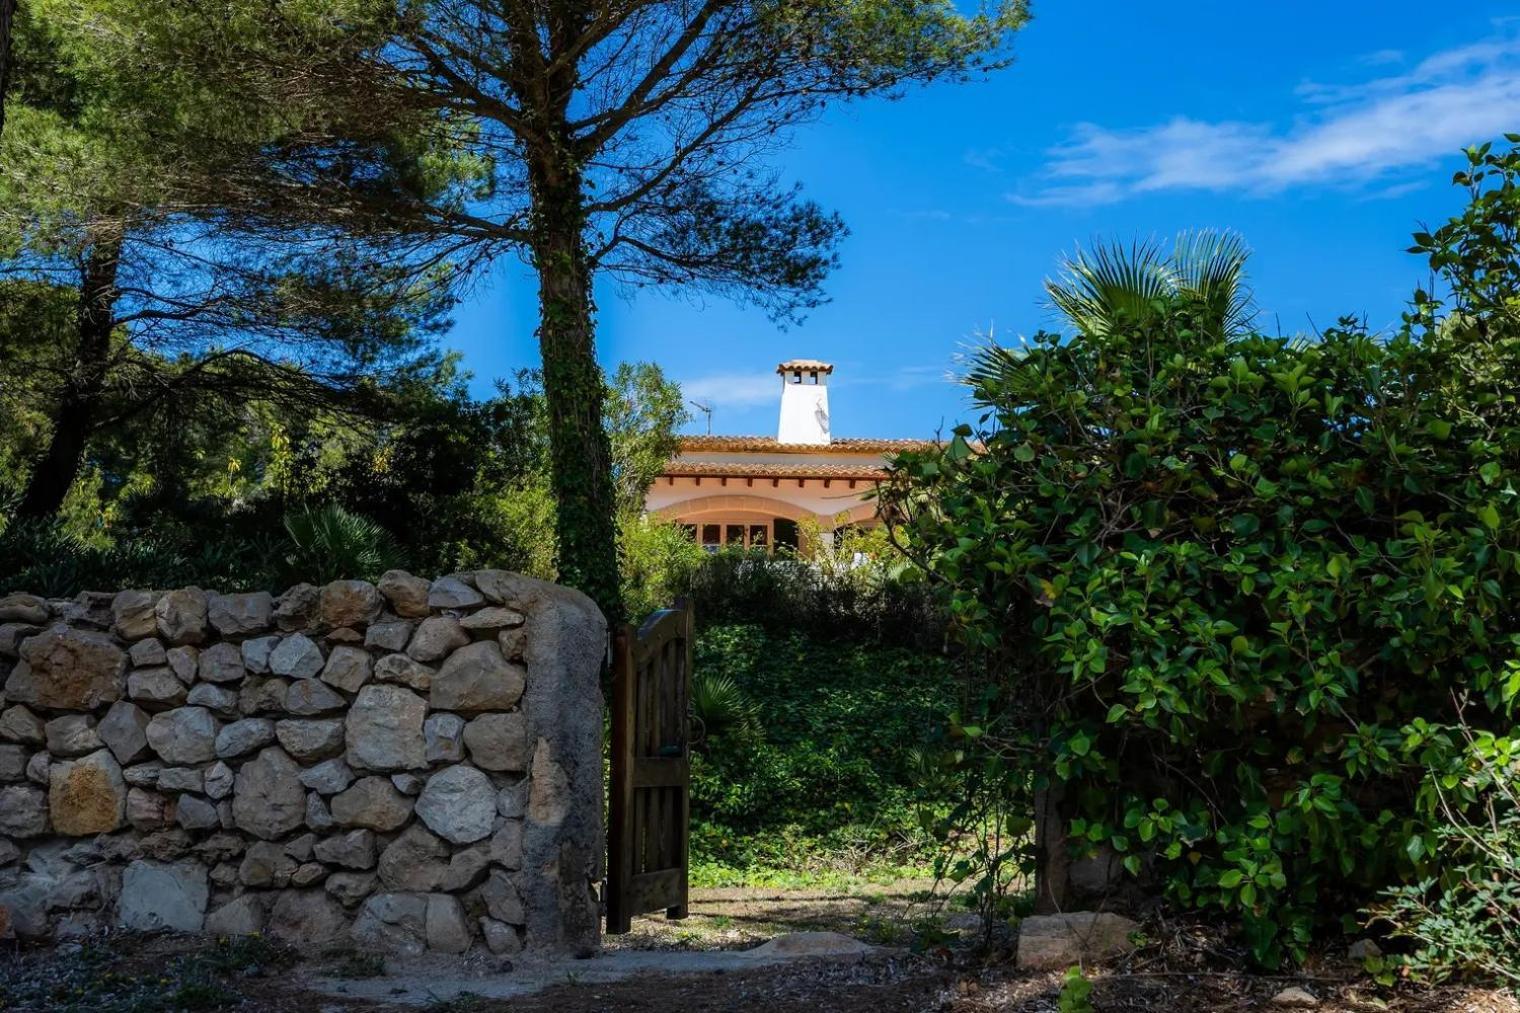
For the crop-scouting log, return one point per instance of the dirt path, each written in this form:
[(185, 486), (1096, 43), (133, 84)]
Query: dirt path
[(704, 964), (740, 917)]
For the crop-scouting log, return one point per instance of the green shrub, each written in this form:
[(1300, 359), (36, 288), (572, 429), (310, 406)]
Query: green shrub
[(656, 562), (825, 768), (1461, 919), (875, 597), (1226, 586), (329, 543)]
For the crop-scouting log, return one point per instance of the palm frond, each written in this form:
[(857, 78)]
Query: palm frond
[(992, 369), (1210, 266), (1103, 288), (1109, 287)]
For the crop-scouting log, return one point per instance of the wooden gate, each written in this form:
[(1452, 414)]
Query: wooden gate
[(651, 779)]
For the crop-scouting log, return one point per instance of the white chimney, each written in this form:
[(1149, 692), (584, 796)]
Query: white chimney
[(804, 402)]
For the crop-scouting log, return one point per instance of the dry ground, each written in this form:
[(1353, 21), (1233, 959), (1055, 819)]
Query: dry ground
[(137, 974)]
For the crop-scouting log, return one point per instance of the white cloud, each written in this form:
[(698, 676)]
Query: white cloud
[(733, 390), (1347, 135)]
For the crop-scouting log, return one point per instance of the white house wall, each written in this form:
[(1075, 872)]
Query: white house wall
[(787, 495)]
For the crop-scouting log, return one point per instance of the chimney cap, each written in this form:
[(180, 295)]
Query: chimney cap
[(805, 366)]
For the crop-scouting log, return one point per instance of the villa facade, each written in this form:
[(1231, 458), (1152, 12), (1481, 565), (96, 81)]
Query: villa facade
[(761, 492)]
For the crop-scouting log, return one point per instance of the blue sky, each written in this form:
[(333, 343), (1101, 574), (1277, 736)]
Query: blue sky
[(1323, 132)]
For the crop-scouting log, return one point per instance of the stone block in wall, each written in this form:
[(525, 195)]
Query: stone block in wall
[(161, 895), (268, 800), (19, 724), (23, 811), (408, 595), (492, 619), (384, 729), (89, 610), (87, 796), (372, 803), (219, 700), (156, 688), (328, 777), (435, 638), (416, 861), (349, 603), (447, 929), (477, 678), (310, 740), (256, 653), (459, 804), (24, 608), (296, 609), (71, 735), (11, 635), (148, 653), (307, 917), (347, 668), (393, 923), (392, 635), (262, 695), (221, 663), (243, 737), (184, 735), (352, 850), (443, 735), (453, 593), (133, 615), (349, 888), (246, 915), (307, 697), (296, 657), (240, 615), (124, 730), (405, 671), (13, 761), (181, 616), (194, 813), (184, 661), (499, 741), (68, 669)]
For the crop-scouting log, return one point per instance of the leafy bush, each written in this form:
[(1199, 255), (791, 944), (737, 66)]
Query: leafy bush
[(718, 704), (1461, 919), (1225, 586), (329, 543), (860, 590), (826, 766), (44, 558), (657, 560), (316, 544)]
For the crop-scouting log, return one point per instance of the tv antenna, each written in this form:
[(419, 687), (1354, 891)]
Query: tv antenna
[(705, 409)]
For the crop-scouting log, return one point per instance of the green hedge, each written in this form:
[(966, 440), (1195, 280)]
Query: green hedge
[(826, 769), (1230, 588)]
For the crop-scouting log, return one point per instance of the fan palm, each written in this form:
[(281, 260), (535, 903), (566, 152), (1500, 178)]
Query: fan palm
[(1113, 288), (1116, 286)]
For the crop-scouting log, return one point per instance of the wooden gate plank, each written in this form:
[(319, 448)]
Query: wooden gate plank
[(650, 805)]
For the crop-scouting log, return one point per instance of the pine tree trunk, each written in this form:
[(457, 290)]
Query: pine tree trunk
[(7, 18), (74, 416), (580, 456)]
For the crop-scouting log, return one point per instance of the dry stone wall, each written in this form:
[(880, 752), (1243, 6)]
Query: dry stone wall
[(415, 765)]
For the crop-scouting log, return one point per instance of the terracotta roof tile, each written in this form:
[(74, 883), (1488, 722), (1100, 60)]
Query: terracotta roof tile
[(768, 445), (806, 366), (740, 469)]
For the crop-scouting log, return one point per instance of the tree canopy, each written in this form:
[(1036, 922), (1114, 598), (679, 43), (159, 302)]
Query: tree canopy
[(626, 139)]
